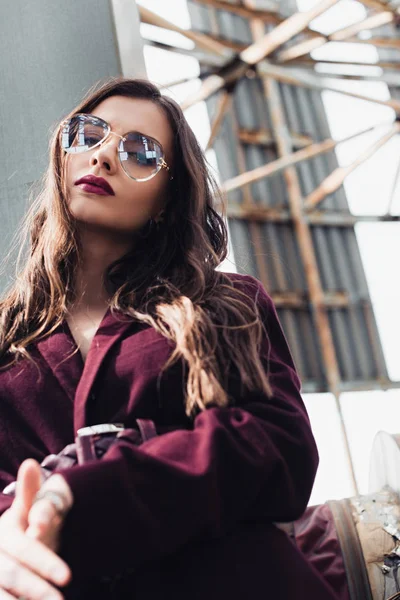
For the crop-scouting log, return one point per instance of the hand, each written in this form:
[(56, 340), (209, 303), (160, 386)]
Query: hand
[(44, 521), (27, 566)]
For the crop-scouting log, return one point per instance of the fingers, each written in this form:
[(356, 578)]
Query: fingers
[(45, 525), (20, 581), (37, 557), (6, 596), (43, 514), (29, 481), (47, 514)]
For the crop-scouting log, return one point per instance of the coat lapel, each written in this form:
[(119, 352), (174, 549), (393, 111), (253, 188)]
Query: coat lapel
[(58, 351), (110, 331), (75, 376)]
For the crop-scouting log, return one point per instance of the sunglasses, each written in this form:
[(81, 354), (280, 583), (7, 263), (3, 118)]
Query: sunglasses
[(141, 156)]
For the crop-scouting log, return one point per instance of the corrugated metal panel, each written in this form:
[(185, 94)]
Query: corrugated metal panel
[(270, 250)]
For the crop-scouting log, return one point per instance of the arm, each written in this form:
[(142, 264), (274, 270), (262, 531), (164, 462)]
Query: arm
[(252, 462)]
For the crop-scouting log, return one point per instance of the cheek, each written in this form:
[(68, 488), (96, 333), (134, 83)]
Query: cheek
[(73, 166), (144, 196)]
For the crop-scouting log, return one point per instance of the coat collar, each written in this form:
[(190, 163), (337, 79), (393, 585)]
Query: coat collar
[(75, 376)]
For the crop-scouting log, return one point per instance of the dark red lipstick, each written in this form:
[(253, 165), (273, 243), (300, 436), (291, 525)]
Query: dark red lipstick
[(95, 185)]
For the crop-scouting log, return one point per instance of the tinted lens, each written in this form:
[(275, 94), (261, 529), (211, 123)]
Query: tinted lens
[(140, 156), (82, 132)]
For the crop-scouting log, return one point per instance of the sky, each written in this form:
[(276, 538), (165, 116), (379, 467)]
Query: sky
[(368, 190)]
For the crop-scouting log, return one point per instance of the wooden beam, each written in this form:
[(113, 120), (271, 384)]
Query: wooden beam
[(303, 62), (301, 300), (176, 82), (337, 177), (238, 9), (210, 60), (377, 5), (212, 84), (385, 42), (201, 40), (283, 32), (276, 166), (395, 185), (231, 44), (267, 214), (372, 22), (223, 103), (391, 79), (307, 80), (307, 46), (302, 230), (264, 137), (257, 51), (301, 49)]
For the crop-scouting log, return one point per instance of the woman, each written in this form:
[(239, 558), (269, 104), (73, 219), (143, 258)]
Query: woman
[(117, 314)]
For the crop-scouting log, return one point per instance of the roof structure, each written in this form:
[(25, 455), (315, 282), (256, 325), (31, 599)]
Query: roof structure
[(289, 218)]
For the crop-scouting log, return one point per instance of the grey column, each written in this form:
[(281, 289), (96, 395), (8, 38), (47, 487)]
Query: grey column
[(51, 53)]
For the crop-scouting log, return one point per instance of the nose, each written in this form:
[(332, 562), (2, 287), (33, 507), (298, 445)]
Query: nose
[(106, 155)]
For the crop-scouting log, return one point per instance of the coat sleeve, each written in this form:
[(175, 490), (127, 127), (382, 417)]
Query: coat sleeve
[(254, 460)]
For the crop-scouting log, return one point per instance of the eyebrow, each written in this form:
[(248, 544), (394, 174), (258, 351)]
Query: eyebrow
[(129, 130)]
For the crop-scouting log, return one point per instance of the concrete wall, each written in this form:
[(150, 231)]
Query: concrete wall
[(51, 53)]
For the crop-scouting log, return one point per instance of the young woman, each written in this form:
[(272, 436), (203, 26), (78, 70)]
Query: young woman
[(117, 314)]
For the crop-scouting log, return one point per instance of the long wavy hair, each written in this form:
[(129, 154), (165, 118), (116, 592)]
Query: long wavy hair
[(169, 280)]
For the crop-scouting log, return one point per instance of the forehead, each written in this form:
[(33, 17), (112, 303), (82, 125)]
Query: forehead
[(136, 114)]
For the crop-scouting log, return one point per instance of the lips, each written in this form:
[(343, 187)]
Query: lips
[(95, 185)]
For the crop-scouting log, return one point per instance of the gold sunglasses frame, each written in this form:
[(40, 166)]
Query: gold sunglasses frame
[(162, 164)]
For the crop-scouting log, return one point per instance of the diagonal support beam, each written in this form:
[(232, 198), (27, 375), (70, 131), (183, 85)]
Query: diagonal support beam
[(268, 16), (283, 33), (337, 177), (289, 160), (264, 137), (258, 51), (307, 46), (293, 77), (223, 103), (308, 62), (200, 39)]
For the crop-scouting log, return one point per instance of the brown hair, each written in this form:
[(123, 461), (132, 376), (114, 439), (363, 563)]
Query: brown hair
[(169, 280)]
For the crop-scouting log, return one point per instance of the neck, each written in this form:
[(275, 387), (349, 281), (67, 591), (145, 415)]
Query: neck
[(98, 252)]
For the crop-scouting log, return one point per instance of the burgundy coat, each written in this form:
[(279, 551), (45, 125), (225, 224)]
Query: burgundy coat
[(187, 514)]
